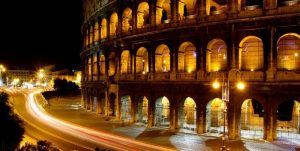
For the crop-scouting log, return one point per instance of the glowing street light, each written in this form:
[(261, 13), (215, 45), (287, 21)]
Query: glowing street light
[(216, 85), (240, 85), (2, 69)]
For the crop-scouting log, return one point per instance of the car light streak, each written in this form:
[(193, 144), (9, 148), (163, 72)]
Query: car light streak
[(98, 137)]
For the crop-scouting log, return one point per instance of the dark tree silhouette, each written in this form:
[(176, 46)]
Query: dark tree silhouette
[(11, 126), (63, 86)]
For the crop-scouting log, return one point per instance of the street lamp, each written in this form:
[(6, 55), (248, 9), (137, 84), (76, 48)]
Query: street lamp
[(2, 69), (225, 98)]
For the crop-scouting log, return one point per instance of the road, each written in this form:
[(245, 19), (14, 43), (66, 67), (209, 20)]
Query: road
[(39, 125)]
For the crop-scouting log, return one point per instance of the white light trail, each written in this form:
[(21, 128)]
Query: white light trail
[(98, 137)]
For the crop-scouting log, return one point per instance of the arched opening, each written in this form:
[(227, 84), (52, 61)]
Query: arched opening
[(288, 121), (113, 24), (251, 54), (112, 104), (215, 117), (125, 62), (103, 28), (251, 5), (96, 32), (162, 112), (216, 7), (127, 20), (163, 11), (95, 68), (187, 57), (187, 115), (186, 8), (142, 110), (90, 67), (112, 64), (143, 15), (287, 2), (102, 64), (216, 56), (288, 52), (91, 35), (162, 58), (126, 108), (252, 119), (142, 61)]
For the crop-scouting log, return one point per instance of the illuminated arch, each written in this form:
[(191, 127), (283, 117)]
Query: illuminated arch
[(142, 60), (96, 32), (187, 114), (102, 64), (288, 52), (162, 58), (252, 120), (214, 6), (162, 112), (91, 35), (125, 62), (251, 54), (187, 57), (186, 8), (103, 28), (163, 11), (288, 120), (143, 15), (126, 108), (112, 64), (113, 24), (216, 55), (127, 20), (215, 116)]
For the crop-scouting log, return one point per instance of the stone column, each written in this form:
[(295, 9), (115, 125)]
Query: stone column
[(174, 10), (270, 119), (200, 121), (134, 108), (151, 111), (107, 103), (98, 66), (233, 62), (233, 117), (118, 107), (269, 4), (272, 54), (173, 116), (202, 9), (234, 6), (152, 13), (134, 17)]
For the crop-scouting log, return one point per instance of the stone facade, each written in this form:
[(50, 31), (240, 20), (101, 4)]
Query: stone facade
[(177, 49)]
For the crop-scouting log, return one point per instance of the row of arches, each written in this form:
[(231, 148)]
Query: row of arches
[(251, 57), (163, 11), (251, 123)]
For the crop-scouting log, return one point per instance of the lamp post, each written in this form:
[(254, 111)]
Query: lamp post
[(2, 69), (225, 98)]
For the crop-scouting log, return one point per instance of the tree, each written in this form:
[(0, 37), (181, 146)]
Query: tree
[(63, 86), (41, 145), (11, 127)]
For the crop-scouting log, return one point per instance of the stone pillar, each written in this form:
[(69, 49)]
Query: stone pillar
[(173, 116), (233, 62), (200, 121), (134, 64), (92, 67), (107, 103), (99, 31), (232, 118), (134, 17), (272, 54), (118, 107), (152, 13), (151, 111), (174, 10), (270, 120), (234, 6), (98, 66), (202, 9), (134, 106), (269, 4)]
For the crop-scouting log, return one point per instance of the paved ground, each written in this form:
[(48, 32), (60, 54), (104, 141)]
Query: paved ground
[(69, 109)]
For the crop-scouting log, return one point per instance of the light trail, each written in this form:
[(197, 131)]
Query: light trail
[(98, 137)]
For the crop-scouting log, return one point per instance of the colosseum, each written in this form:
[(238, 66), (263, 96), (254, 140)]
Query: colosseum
[(197, 66)]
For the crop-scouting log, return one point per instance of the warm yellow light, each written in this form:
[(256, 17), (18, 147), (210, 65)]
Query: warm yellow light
[(216, 85), (240, 85), (296, 54), (251, 69), (41, 75)]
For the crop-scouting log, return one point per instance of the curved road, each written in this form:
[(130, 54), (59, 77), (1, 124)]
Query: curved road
[(40, 125)]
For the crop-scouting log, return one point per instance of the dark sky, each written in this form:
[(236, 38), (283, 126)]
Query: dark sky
[(35, 33)]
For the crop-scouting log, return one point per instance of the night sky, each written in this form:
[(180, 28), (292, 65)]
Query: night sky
[(35, 33)]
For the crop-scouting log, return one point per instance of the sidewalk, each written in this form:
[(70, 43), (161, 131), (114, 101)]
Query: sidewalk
[(69, 109)]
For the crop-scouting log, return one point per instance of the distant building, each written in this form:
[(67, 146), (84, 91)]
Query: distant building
[(22, 75)]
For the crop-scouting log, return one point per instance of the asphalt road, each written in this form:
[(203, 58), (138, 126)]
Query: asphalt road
[(41, 126)]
